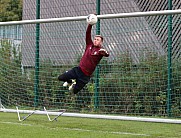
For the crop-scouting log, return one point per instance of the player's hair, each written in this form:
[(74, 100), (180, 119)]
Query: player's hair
[(100, 37)]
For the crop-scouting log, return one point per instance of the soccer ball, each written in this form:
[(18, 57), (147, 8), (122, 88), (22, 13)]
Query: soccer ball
[(91, 19)]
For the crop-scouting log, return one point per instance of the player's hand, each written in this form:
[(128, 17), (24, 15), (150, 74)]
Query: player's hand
[(103, 52)]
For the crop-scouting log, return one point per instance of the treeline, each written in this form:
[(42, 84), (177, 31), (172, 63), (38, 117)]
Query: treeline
[(124, 87), (11, 10)]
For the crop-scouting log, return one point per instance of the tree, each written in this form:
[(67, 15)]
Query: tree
[(11, 10)]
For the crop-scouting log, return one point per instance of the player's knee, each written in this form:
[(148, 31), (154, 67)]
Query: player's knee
[(75, 90), (60, 78), (78, 87)]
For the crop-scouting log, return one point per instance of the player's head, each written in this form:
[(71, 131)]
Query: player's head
[(98, 40)]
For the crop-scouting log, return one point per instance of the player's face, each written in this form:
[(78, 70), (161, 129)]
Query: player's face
[(97, 41)]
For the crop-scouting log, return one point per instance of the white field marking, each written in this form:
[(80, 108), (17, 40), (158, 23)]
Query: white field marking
[(120, 133), (13, 123), (78, 129)]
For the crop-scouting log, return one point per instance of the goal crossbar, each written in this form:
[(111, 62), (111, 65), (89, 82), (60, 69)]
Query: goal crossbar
[(105, 16)]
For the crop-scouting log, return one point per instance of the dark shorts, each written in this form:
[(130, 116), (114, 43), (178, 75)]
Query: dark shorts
[(77, 74)]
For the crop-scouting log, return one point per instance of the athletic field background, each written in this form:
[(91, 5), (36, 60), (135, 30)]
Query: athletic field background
[(38, 126), (142, 76)]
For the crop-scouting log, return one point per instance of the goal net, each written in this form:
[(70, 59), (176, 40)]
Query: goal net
[(141, 77)]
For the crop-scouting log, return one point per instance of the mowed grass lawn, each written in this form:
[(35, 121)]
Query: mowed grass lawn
[(38, 126)]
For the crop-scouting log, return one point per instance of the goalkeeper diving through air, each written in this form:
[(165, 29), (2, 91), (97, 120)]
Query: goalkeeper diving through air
[(79, 76)]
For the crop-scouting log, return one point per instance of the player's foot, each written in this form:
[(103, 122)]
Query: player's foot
[(72, 85), (65, 84)]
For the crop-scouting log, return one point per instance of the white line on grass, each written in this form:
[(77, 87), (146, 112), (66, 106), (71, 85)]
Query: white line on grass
[(120, 133), (13, 123), (78, 129)]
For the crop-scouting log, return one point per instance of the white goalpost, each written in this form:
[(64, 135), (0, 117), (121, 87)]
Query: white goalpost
[(62, 112), (106, 16)]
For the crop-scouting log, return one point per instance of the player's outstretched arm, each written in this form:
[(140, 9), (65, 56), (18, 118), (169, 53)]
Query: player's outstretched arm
[(88, 34), (91, 20)]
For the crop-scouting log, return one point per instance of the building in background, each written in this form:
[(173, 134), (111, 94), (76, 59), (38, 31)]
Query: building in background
[(62, 42)]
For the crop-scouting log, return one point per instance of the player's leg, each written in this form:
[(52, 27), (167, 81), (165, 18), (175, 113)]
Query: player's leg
[(78, 86), (78, 75), (81, 81), (67, 76)]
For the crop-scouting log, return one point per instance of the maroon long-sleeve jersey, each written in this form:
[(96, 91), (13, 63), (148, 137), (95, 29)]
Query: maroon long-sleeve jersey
[(91, 56)]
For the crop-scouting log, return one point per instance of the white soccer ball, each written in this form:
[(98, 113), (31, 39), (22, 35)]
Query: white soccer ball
[(91, 19)]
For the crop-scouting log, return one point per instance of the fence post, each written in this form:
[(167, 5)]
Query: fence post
[(96, 92), (169, 89), (36, 85)]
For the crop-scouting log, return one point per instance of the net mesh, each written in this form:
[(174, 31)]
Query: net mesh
[(132, 81)]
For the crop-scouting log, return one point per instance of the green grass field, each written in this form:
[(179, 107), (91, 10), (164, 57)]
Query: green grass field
[(38, 126)]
